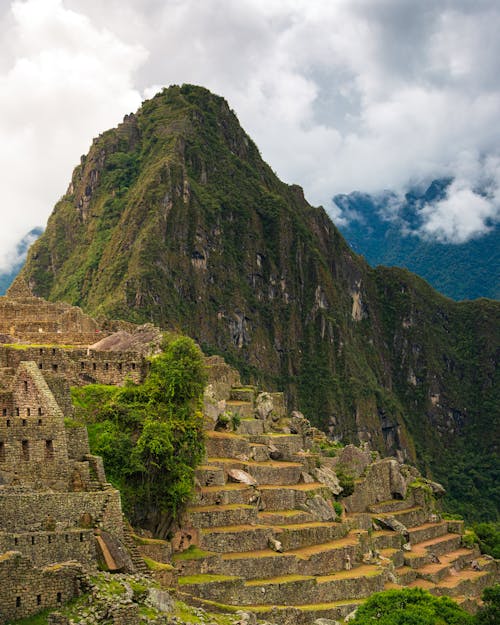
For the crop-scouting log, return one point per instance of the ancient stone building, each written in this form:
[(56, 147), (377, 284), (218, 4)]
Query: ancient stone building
[(58, 515)]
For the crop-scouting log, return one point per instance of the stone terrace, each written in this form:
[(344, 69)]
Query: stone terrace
[(268, 539)]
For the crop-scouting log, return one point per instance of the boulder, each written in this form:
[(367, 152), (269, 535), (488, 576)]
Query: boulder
[(264, 405), (242, 477), (327, 477), (355, 458), (320, 508)]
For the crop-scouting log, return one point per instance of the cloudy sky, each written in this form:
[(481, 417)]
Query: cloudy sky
[(340, 95)]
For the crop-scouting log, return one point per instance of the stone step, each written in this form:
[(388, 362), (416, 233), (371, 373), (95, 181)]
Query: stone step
[(259, 453), (409, 517), (405, 575), (438, 546), (277, 497), (250, 427), (287, 444), (210, 475), (219, 515), (449, 566), (386, 539), (230, 493), (462, 583), (427, 531), (396, 556), (303, 614), (235, 538), (284, 517), (292, 589), (242, 409), (390, 506), (255, 564), (226, 444), (270, 472), (243, 393), (306, 534), (325, 558), (319, 559)]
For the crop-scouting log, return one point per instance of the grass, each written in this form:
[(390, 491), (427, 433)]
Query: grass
[(206, 579), (153, 565), (192, 553)]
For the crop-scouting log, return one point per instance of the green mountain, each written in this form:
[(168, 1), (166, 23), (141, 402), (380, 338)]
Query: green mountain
[(461, 271), (174, 218)]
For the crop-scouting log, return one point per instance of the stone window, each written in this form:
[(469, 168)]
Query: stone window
[(25, 385), (24, 422), (54, 366), (49, 449), (2, 451), (17, 412), (25, 449), (40, 365), (53, 352), (133, 365), (8, 423), (106, 366), (28, 412), (40, 413), (41, 351), (94, 366), (4, 412), (32, 540), (49, 539), (82, 365), (59, 597), (40, 422), (66, 538), (18, 602), (81, 537), (120, 366), (39, 599), (16, 541)]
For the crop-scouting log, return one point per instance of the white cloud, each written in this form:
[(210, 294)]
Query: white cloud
[(339, 95), (65, 80)]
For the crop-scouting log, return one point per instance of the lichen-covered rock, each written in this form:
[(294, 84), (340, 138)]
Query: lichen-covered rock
[(355, 458), (320, 508), (264, 405), (327, 477)]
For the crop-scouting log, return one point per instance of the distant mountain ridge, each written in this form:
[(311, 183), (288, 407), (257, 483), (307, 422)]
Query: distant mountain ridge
[(461, 271), (7, 277)]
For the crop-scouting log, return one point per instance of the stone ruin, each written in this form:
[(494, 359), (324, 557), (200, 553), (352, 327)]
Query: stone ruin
[(268, 532), (59, 517)]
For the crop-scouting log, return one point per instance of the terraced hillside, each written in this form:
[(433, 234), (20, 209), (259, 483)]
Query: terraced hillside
[(269, 541)]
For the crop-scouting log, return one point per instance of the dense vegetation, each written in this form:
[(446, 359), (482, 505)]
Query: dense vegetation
[(460, 271), (414, 606), (174, 218), (150, 435)]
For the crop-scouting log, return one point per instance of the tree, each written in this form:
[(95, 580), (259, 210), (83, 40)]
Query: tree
[(410, 606)]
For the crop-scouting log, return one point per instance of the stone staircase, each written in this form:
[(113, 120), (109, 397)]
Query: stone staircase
[(263, 549)]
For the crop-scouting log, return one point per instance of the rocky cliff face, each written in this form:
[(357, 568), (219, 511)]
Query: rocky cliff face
[(174, 218)]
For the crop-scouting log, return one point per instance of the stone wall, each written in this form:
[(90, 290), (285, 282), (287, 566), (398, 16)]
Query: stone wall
[(78, 366), (26, 590), (33, 446), (49, 547), (29, 511)]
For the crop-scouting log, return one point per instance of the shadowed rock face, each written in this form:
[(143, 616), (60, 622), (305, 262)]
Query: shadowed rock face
[(173, 218)]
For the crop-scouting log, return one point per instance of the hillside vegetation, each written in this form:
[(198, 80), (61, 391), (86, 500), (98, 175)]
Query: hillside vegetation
[(173, 217)]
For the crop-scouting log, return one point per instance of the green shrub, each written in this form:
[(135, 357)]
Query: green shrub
[(410, 606), (150, 435), (346, 481), (489, 614), (488, 535)]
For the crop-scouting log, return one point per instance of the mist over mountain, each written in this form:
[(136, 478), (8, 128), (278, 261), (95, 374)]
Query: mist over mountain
[(7, 277), (174, 218), (388, 231)]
